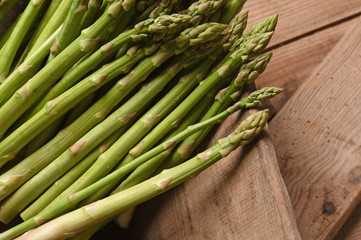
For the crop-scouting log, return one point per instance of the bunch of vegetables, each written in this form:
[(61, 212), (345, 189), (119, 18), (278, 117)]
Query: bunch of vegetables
[(104, 103)]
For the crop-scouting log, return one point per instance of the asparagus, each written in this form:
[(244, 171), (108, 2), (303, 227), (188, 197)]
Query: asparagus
[(198, 35), (74, 95), (48, 27), (43, 23), (78, 220), (144, 171), (247, 49), (71, 27), (37, 85), (11, 46), (91, 14), (231, 8)]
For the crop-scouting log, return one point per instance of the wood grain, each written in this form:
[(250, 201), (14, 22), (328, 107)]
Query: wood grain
[(318, 140), (293, 63), (234, 199), (299, 18)]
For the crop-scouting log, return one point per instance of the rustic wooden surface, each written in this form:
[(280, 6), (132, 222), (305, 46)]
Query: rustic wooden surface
[(317, 135)]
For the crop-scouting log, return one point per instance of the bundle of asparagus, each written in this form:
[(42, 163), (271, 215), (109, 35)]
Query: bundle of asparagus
[(99, 104)]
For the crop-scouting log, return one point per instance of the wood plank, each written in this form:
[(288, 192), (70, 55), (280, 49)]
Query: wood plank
[(232, 200), (293, 63), (300, 17), (352, 228), (317, 135)]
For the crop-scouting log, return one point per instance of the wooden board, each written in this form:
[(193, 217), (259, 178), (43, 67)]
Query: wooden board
[(292, 64), (241, 197), (318, 137), (300, 18)]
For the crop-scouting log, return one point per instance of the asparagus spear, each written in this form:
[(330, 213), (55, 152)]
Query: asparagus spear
[(37, 85), (231, 8), (91, 14), (71, 27), (78, 220), (43, 23), (198, 35), (11, 46), (44, 32)]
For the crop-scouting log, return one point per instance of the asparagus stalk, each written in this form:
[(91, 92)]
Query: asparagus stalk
[(11, 46), (71, 27), (91, 14), (247, 49), (37, 85), (43, 32), (231, 8), (43, 23), (78, 220)]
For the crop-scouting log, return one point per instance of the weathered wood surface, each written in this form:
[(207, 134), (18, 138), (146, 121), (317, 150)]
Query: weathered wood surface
[(293, 63), (317, 136), (299, 18)]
